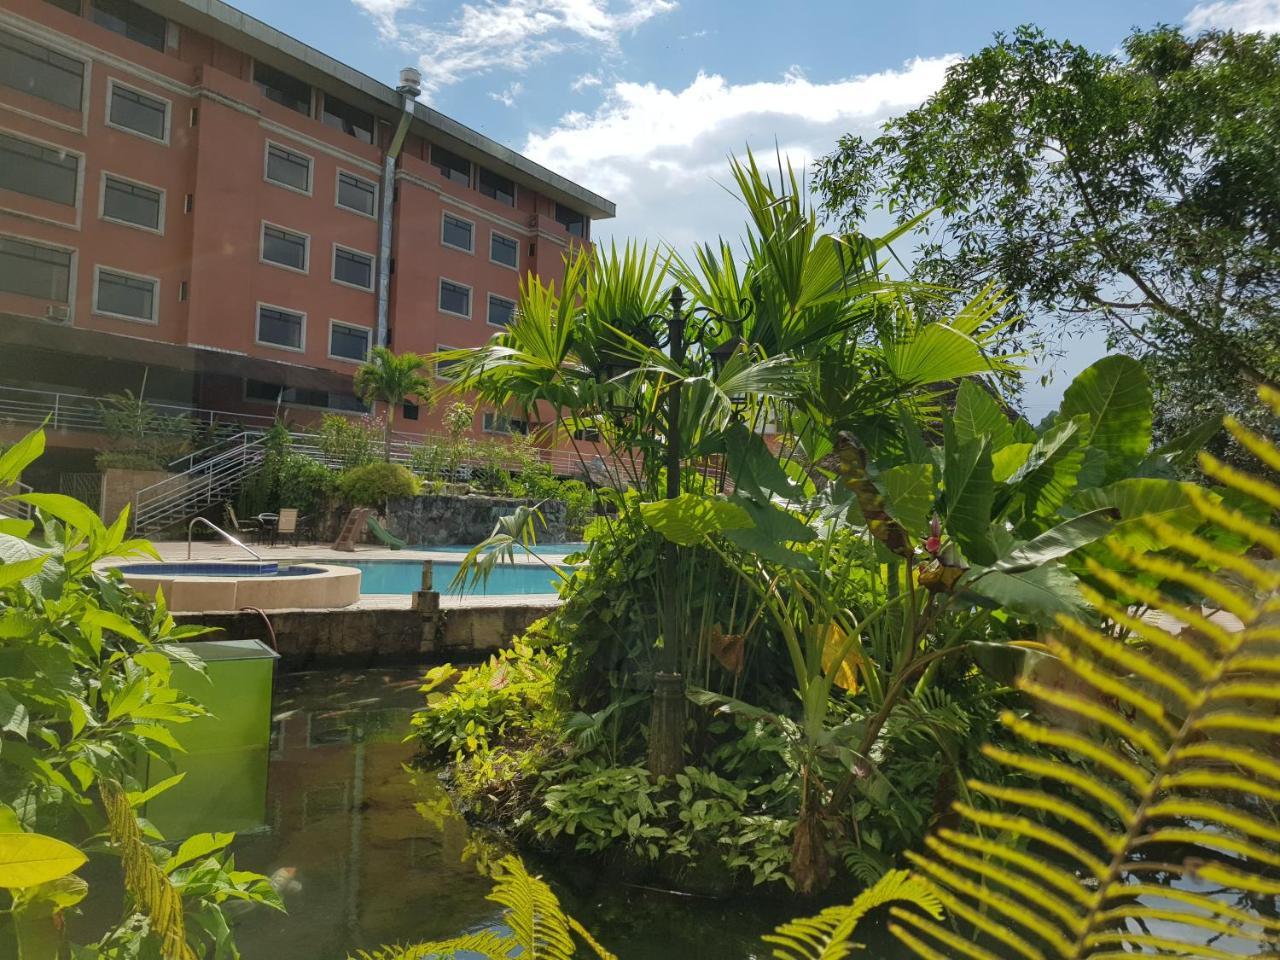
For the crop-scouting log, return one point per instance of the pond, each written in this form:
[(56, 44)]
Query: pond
[(380, 857)]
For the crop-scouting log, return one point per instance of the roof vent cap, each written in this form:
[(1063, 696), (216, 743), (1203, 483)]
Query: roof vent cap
[(410, 81)]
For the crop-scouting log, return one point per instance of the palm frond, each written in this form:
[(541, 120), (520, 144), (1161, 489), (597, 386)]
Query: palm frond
[(1161, 797)]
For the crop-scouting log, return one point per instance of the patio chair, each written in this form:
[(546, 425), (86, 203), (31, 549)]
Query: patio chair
[(250, 527), (288, 525)]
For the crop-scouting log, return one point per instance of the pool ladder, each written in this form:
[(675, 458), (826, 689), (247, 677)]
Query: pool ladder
[(191, 528)]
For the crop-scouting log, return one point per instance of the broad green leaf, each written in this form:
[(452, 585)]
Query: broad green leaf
[(1058, 541), (1007, 662), (55, 895), (69, 510), (13, 572), (158, 734), (20, 456), (17, 528), (9, 822), (1139, 497), (1006, 461), (1181, 452), (1115, 393), (978, 414), (13, 715), (690, 518), (754, 467), (970, 493), (771, 529), (909, 495), (197, 846), (28, 859), (1049, 474), (1040, 594), (138, 797), (935, 354)]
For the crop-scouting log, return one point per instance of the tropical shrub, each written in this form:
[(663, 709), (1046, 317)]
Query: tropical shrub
[(375, 483), (140, 438), (287, 479), (85, 701), (349, 442)]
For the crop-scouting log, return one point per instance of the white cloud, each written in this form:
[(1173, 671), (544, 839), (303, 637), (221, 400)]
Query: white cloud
[(509, 35), (1243, 15), (662, 154), (507, 97), (585, 81)]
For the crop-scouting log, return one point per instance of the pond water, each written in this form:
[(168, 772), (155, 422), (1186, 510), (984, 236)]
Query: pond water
[(381, 858)]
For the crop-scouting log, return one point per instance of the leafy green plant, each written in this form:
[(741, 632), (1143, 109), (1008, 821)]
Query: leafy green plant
[(349, 441), (392, 379), (140, 438), (375, 483), (458, 419), (286, 478), (1159, 805)]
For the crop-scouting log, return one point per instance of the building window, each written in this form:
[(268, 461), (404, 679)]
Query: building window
[(504, 250), (587, 434), (182, 291), (357, 194), (457, 233), (455, 298), (40, 72), (136, 112), (501, 310), (353, 268), (38, 171), (444, 366), (31, 270), (288, 169), (571, 220), (496, 186), (453, 167), (71, 6), (124, 295), (409, 411), (347, 342), (266, 392), (281, 328), (130, 20), (279, 87), (350, 120), (501, 423), (132, 203), (284, 247)]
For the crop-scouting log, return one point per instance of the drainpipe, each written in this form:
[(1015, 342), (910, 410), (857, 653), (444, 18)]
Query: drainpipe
[(410, 87)]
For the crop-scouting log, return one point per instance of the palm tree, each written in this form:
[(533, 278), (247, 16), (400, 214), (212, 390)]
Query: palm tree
[(392, 379)]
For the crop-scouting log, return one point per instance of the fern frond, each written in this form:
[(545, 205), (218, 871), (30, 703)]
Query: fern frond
[(826, 936), (1165, 767), (486, 943)]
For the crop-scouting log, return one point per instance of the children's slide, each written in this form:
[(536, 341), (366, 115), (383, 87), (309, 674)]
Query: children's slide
[(380, 533)]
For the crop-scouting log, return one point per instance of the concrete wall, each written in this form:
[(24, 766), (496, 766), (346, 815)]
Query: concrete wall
[(439, 519), (119, 487), (373, 637)]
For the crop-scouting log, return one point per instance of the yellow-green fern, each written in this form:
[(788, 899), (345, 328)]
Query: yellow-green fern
[(1172, 739)]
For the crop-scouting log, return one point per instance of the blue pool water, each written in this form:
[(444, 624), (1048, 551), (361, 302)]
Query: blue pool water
[(405, 576), (542, 549)]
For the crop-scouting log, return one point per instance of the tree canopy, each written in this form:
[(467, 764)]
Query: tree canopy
[(1138, 190)]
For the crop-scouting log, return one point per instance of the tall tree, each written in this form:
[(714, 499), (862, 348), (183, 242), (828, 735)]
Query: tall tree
[(1138, 191), (392, 379)]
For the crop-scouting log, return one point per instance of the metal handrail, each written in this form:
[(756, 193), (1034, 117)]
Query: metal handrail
[(191, 528)]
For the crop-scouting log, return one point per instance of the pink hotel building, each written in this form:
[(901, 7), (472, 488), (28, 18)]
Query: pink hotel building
[(193, 196)]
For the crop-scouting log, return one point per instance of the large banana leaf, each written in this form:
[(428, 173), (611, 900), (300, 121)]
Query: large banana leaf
[(1115, 393), (970, 494)]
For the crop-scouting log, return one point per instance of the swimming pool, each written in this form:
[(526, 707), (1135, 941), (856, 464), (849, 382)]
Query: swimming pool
[(405, 576), (542, 549)]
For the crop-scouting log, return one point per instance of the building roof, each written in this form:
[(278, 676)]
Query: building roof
[(237, 29)]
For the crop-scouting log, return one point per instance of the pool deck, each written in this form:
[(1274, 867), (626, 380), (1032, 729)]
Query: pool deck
[(176, 551)]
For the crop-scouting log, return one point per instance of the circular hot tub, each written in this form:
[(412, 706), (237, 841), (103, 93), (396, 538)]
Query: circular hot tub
[(200, 587)]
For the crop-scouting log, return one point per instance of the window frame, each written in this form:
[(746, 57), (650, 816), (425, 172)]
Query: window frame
[(584, 219), (262, 248), (98, 269), (510, 266), (489, 418), (333, 267), (112, 84), (435, 371), (515, 187), (445, 215), (311, 91), (338, 174), (257, 327), (78, 201), (368, 341), (324, 114), (489, 301), (164, 38), (471, 165), (471, 298), (86, 68), (102, 202), (311, 168), (73, 269)]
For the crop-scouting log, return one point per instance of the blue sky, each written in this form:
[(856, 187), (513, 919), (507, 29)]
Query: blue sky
[(643, 100)]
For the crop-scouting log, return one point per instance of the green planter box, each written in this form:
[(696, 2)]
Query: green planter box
[(225, 787)]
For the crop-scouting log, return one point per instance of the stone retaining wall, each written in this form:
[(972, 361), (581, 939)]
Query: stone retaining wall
[(440, 519)]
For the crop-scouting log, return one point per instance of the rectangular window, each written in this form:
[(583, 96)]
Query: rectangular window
[(279, 87), (409, 411), (501, 423), (347, 342), (453, 167), (501, 310), (123, 295), (353, 267), (443, 366), (350, 120), (131, 203), (497, 186), (138, 113), (280, 328), (38, 171), (131, 20), (571, 220), (288, 169), (182, 291), (284, 247), (457, 233), (31, 270), (40, 72), (504, 250), (188, 203), (587, 434), (455, 298), (357, 194)]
